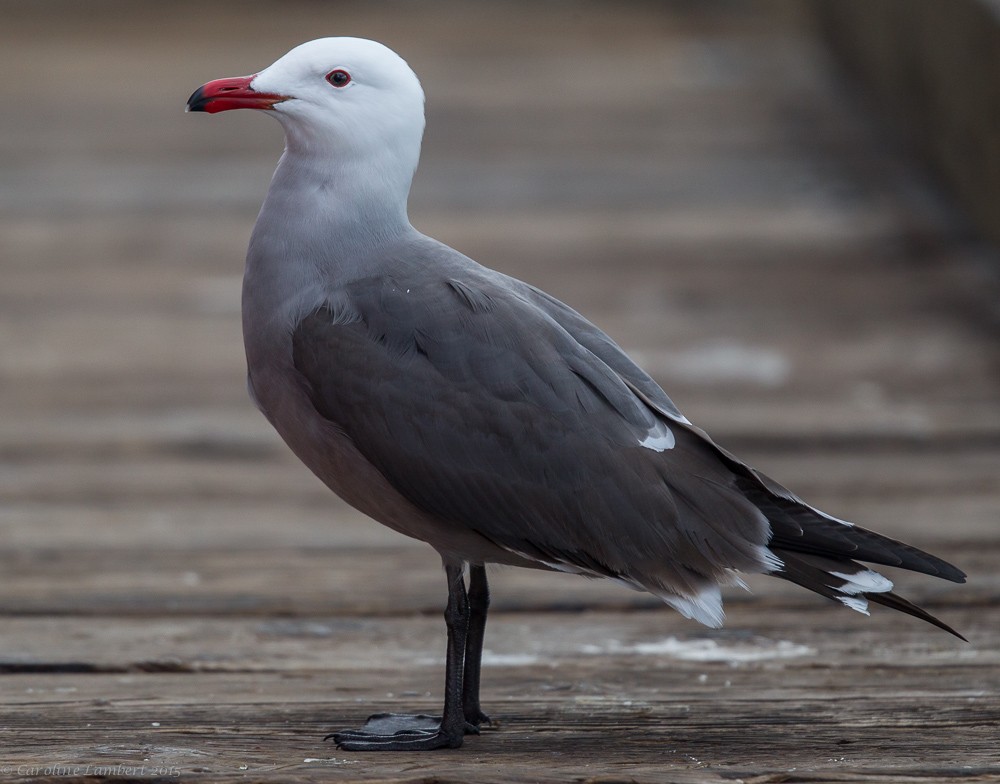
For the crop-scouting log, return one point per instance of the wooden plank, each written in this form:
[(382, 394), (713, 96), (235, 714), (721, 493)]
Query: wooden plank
[(614, 696), (829, 638), (353, 581)]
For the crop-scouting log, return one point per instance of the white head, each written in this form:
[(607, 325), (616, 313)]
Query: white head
[(348, 101)]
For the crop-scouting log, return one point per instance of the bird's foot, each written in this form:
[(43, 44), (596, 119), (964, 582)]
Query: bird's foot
[(477, 718), (401, 732)]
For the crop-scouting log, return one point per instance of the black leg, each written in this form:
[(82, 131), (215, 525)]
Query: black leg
[(479, 604), (397, 732)]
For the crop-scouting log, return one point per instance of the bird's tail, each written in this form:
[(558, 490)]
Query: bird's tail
[(851, 583), (821, 553)]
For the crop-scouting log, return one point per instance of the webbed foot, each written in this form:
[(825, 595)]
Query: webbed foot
[(401, 732)]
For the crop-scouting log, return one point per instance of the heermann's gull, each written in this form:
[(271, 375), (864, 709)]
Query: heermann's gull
[(472, 411)]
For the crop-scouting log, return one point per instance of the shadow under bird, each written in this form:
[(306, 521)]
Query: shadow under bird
[(474, 412)]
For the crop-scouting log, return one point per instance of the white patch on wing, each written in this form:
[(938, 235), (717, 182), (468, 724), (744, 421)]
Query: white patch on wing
[(659, 438), (862, 582), (856, 603)]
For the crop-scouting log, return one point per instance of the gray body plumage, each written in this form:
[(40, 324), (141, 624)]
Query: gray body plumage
[(474, 412)]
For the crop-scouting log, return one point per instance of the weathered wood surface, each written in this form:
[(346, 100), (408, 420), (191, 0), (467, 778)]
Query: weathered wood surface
[(182, 601)]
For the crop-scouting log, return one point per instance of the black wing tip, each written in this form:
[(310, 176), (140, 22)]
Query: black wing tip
[(897, 602), (814, 571), (937, 567), (825, 539)]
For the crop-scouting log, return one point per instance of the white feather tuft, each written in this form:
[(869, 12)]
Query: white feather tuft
[(704, 607), (733, 578), (772, 563), (856, 603), (862, 582)]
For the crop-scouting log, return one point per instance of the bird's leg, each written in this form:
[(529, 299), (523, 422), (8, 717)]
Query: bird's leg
[(479, 604), (398, 732)]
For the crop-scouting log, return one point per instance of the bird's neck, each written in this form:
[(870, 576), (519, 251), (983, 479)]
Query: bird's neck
[(325, 221), (344, 202)]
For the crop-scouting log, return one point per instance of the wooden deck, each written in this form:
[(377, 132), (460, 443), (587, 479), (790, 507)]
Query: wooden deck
[(182, 601)]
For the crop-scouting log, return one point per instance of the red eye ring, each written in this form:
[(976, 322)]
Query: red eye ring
[(339, 78)]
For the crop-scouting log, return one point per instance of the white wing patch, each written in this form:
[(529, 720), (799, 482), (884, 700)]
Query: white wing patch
[(862, 582), (854, 586), (659, 438)]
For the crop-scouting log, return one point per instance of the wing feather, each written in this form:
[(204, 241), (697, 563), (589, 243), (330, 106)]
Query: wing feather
[(487, 403), (494, 415)]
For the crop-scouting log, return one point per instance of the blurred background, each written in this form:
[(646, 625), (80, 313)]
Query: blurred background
[(785, 223), (697, 177)]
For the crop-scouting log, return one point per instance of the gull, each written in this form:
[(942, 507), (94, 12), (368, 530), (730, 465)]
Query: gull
[(474, 412)]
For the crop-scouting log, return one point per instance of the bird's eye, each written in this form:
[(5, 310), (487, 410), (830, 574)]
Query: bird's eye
[(339, 78)]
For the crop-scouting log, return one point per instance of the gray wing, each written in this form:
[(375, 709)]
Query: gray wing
[(608, 351), (482, 409), (796, 526)]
